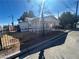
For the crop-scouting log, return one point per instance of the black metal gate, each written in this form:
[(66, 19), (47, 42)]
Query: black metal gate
[(0, 44)]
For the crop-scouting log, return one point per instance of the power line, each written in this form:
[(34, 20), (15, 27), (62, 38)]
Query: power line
[(42, 17), (77, 3), (12, 18), (76, 13)]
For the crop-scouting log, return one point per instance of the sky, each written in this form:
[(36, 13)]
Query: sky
[(16, 8)]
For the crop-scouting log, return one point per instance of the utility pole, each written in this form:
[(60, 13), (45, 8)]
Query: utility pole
[(76, 13), (58, 14), (58, 18), (12, 21), (43, 30), (77, 8), (12, 18), (42, 17)]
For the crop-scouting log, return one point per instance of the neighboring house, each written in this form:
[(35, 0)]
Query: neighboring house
[(5, 28), (8, 28), (35, 24), (12, 28), (50, 22), (25, 25), (77, 25)]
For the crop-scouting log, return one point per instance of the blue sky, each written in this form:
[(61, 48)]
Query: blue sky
[(17, 7)]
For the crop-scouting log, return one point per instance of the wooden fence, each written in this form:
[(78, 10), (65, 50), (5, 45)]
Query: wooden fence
[(8, 41)]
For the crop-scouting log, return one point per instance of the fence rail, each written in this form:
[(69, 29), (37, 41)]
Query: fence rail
[(7, 41)]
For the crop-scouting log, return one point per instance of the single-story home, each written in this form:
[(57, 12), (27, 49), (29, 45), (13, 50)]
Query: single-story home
[(36, 23)]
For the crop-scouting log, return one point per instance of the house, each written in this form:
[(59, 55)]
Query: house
[(25, 25), (5, 28), (77, 25), (36, 24), (12, 28)]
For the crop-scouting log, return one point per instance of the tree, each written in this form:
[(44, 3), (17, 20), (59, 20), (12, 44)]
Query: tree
[(25, 14), (29, 14), (67, 20)]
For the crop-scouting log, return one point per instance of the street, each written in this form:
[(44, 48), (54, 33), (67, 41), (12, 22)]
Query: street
[(68, 50), (42, 47)]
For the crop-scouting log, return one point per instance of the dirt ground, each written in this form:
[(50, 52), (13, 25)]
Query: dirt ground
[(27, 39)]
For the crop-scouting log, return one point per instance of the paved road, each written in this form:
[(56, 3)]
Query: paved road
[(40, 48), (68, 50)]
